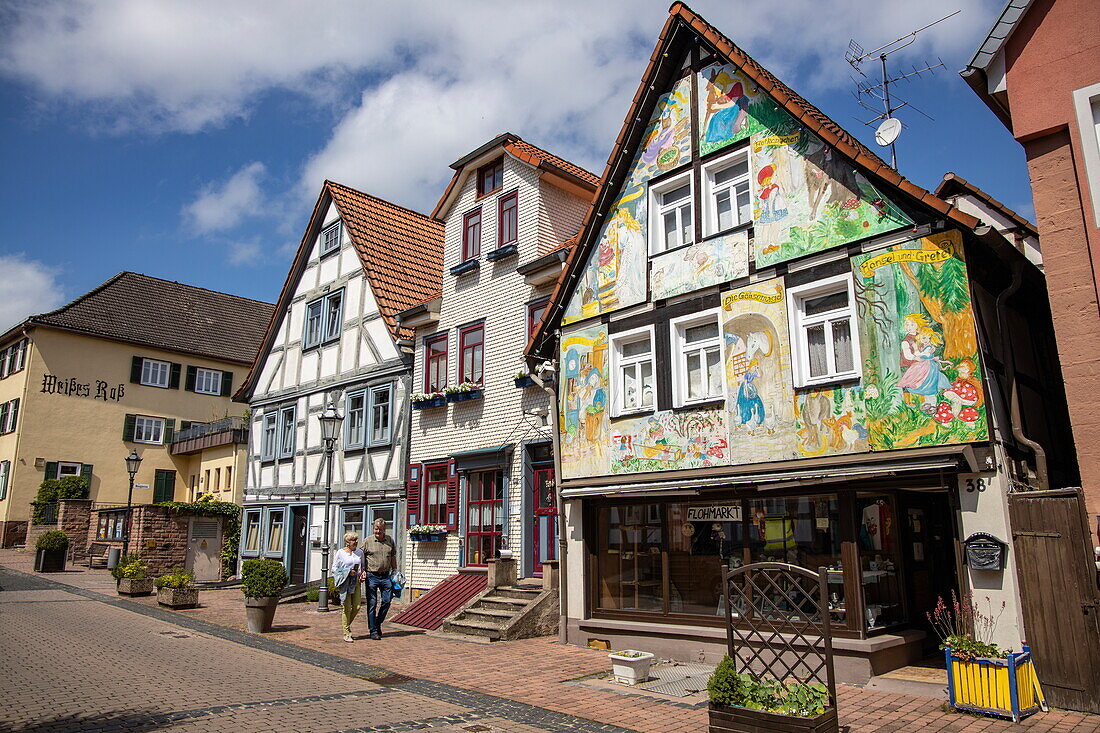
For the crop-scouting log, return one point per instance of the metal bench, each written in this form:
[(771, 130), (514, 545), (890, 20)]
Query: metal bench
[(97, 554)]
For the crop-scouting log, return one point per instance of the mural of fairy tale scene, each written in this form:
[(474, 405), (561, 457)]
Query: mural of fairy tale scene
[(759, 387), (731, 108), (830, 421), (921, 375), (614, 276), (670, 440), (700, 265), (584, 401), (808, 198)]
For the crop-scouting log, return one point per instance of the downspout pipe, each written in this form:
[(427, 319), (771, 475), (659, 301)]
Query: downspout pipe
[(543, 377), (1008, 358)]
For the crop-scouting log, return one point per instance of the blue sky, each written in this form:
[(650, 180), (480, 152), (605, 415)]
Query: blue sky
[(188, 140)]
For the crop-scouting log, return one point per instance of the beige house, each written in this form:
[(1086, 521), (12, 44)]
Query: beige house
[(139, 364)]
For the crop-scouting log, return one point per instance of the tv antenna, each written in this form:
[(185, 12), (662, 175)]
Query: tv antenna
[(889, 127)]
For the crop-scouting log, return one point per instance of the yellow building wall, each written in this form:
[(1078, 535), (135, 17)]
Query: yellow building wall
[(87, 429), (218, 471)]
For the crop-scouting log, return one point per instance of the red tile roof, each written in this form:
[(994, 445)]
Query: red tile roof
[(401, 251), (534, 155), (164, 314), (953, 183), (683, 18)]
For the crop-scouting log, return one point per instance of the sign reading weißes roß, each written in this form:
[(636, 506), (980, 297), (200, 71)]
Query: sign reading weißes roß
[(72, 387)]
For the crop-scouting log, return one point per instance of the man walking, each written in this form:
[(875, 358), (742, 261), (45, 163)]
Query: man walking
[(381, 557)]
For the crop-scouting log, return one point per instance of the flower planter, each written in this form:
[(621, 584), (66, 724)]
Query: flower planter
[(630, 670), (135, 586), (178, 597), (524, 381), (1007, 688), (416, 536), (428, 404), (473, 394), (49, 561), (428, 536), (260, 613), (732, 719)]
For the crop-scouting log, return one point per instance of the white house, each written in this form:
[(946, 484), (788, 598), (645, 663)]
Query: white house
[(481, 461), (334, 339)]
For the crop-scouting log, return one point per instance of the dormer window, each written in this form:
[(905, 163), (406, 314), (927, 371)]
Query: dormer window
[(330, 238), (490, 177)]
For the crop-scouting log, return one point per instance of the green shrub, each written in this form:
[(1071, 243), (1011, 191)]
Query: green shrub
[(731, 688), (72, 487), (313, 595), (178, 578), (262, 578), (131, 567), (54, 540)]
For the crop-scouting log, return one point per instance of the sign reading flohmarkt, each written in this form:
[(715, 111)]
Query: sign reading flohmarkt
[(714, 513), (70, 387)]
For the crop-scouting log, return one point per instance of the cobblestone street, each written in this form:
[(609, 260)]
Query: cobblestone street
[(78, 657)]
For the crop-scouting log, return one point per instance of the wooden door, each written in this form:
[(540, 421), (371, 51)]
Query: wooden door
[(545, 535), (1061, 602), (299, 538)]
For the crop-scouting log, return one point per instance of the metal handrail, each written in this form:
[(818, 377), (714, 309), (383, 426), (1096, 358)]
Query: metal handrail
[(197, 430)]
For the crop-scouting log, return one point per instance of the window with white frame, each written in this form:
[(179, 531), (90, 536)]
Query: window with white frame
[(288, 428), (821, 318), (148, 429), (269, 436), (65, 468), (5, 472), (633, 385), (208, 381), (671, 221), (276, 523), (698, 373), (324, 317), (330, 238), (155, 373), (728, 199)]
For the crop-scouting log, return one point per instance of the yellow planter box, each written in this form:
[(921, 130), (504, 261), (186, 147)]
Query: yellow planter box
[(1008, 688)]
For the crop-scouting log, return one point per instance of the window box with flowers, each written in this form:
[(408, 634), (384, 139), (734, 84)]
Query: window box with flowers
[(428, 400), (523, 379), (463, 391), (427, 532)]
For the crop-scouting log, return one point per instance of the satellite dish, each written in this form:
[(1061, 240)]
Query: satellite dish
[(888, 131)]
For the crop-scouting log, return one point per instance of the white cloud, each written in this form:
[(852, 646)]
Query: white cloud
[(27, 287), (219, 208), (434, 79), (245, 253)]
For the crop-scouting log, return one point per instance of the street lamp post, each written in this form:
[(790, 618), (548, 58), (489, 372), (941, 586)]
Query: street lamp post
[(330, 428), (133, 462)]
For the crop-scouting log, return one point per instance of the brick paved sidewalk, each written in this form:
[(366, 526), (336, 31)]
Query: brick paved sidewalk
[(531, 671)]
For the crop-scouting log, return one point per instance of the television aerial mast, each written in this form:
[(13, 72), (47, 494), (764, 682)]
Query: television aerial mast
[(889, 128)]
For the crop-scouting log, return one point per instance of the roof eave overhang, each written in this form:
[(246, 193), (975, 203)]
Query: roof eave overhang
[(421, 314)]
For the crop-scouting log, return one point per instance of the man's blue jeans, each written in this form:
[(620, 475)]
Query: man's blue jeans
[(376, 612)]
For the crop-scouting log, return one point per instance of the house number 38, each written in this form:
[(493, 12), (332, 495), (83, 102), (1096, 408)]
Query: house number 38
[(976, 484)]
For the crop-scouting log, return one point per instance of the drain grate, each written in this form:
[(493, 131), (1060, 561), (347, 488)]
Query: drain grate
[(391, 680), (678, 680)]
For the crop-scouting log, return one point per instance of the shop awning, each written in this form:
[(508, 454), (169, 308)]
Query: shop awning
[(770, 480), (471, 460)]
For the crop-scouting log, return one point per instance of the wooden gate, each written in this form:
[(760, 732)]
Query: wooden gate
[(1061, 601)]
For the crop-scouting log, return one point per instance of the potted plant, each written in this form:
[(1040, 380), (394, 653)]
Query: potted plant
[(746, 703), (982, 677), (427, 532), (50, 550), (427, 400), (132, 576), (523, 379), (177, 589), (262, 580), (630, 666), (462, 391)]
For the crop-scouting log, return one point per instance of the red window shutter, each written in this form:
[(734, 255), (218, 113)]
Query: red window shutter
[(412, 494), (452, 496)]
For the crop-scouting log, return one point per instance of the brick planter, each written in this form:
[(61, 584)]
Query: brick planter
[(178, 597), (135, 587)]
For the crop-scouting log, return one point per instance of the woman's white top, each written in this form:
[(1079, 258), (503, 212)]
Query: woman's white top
[(348, 559)]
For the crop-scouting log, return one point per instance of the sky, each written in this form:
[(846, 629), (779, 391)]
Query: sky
[(188, 139)]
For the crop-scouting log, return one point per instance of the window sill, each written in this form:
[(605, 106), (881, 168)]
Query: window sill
[(146, 384), (743, 227), (825, 382), (626, 414), (677, 248), (464, 267), (505, 250), (701, 405), (326, 255), (480, 196)]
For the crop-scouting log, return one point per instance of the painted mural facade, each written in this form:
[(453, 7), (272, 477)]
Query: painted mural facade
[(808, 198), (921, 373), (830, 421), (584, 402), (701, 265), (670, 440), (731, 108), (759, 388)]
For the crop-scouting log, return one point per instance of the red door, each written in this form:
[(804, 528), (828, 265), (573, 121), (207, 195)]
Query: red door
[(546, 518)]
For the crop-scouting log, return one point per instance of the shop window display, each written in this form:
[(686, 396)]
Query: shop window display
[(631, 559), (880, 562)]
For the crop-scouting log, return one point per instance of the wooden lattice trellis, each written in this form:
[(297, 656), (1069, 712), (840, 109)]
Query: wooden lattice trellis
[(777, 623)]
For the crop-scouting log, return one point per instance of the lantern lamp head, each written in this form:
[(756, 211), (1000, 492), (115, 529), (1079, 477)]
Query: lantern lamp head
[(330, 425), (133, 462)]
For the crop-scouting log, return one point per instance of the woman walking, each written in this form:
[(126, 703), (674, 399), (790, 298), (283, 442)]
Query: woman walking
[(348, 571)]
